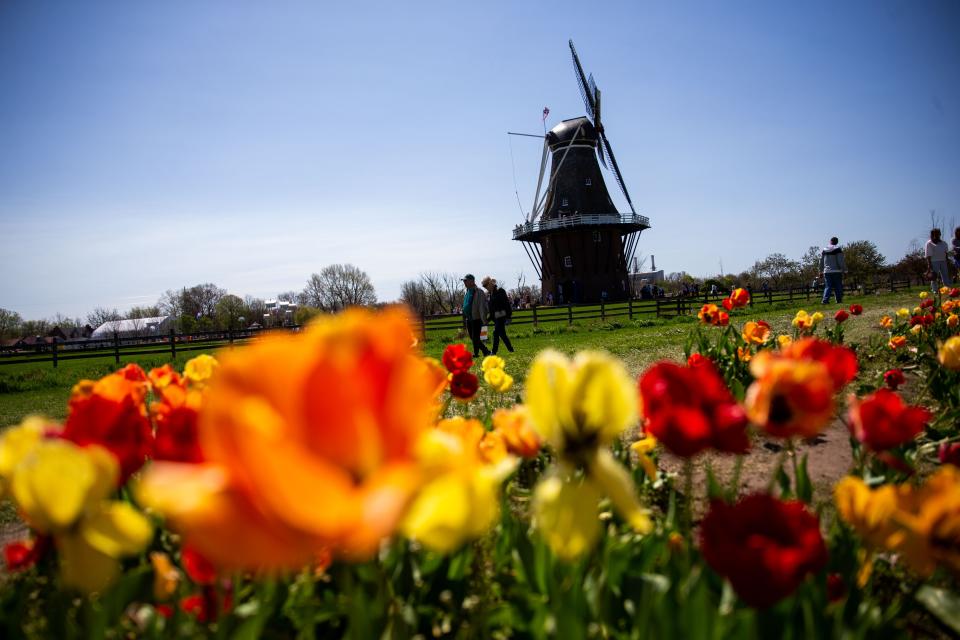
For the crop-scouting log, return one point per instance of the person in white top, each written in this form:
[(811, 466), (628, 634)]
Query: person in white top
[(936, 253)]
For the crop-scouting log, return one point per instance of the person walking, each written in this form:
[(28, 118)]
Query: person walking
[(956, 253), (935, 251), (501, 311), (475, 312), (832, 266)]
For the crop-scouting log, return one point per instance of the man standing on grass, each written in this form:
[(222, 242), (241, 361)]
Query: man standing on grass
[(833, 266), (475, 312), (935, 251)]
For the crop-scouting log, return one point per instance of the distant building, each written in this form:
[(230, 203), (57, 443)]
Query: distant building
[(133, 327)]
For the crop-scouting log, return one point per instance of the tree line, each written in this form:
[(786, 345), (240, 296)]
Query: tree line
[(207, 306)]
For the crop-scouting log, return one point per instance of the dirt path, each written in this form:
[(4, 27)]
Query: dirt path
[(829, 459)]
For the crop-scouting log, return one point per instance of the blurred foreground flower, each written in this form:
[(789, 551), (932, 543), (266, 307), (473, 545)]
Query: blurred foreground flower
[(460, 500), (921, 524), (738, 298), (334, 411), (764, 546), (579, 407), (61, 490), (949, 353), (111, 412), (518, 434)]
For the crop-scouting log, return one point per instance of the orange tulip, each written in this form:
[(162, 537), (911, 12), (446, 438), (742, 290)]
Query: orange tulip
[(308, 442), (790, 397), (514, 427)]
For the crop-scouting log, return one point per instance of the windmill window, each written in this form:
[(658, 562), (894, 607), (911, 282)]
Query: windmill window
[(596, 236), (567, 261), (588, 182), (564, 202)]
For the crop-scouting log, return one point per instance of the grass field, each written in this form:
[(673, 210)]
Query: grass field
[(39, 388)]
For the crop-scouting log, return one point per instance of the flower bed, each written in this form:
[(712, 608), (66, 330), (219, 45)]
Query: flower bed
[(338, 483)]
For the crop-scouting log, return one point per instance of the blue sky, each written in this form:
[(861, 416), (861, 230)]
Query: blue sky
[(147, 146)]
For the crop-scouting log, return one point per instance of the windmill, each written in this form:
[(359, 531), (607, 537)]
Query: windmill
[(579, 243)]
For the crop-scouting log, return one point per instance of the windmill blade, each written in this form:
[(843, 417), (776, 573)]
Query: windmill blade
[(585, 91), (616, 169), (601, 153)]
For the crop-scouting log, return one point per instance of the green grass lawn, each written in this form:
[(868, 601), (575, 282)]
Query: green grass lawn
[(40, 388)]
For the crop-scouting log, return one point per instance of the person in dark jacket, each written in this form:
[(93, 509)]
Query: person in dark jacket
[(475, 312), (833, 266), (500, 312)]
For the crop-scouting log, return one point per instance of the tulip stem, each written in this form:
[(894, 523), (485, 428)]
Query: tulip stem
[(776, 470), (734, 490), (688, 493)]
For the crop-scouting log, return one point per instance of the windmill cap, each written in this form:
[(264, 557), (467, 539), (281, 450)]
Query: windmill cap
[(469, 276)]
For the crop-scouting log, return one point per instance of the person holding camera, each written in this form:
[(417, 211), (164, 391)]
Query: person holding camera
[(500, 312)]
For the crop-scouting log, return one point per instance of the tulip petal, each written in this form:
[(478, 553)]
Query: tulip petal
[(615, 482), (117, 530), (565, 513)]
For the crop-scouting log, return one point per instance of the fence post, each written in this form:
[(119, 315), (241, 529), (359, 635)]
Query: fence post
[(790, 293), (54, 353), (570, 314), (657, 300), (679, 305), (535, 317), (630, 308), (116, 347), (173, 344), (603, 312), (230, 335)]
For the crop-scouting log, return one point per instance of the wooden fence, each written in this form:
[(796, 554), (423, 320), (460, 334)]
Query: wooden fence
[(665, 307), (173, 343)]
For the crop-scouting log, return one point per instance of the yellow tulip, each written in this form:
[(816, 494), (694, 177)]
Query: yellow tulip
[(58, 481), (565, 513), (461, 501), (579, 407), (499, 380), (643, 447), (903, 313), (817, 318), (585, 402), (15, 443), (949, 353), (784, 341), (492, 362), (924, 295), (953, 320), (201, 369), (916, 329)]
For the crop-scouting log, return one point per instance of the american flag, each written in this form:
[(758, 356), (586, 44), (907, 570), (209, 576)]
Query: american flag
[(546, 112)]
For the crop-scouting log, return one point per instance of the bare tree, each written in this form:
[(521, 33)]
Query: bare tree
[(444, 290), (171, 303), (10, 323), (413, 294), (144, 312), (339, 286), (100, 315), (313, 293)]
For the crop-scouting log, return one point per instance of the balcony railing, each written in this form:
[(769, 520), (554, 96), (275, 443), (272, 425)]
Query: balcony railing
[(579, 220)]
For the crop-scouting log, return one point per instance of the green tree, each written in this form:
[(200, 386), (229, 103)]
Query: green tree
[(228, 311), (864, 260)]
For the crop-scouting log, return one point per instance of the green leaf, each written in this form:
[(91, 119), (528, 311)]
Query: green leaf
[(944, 605), (804, 486)]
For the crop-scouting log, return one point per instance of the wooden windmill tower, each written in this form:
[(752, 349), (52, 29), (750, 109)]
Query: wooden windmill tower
[(578, 242)]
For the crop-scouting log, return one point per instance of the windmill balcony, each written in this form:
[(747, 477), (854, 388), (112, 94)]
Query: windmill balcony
[(629, 222)]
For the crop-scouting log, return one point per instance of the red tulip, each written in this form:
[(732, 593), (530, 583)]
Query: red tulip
[(764, 546), (881, 421), (456, 357), (894, 378), (690, 409), (841, 316)]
